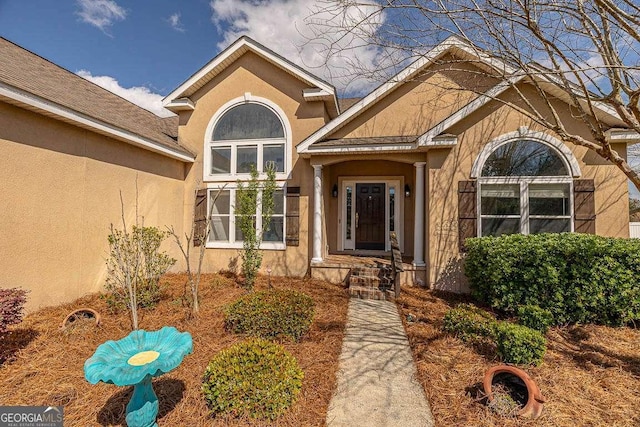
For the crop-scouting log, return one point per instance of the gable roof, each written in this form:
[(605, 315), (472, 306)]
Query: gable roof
[(321, 90), (435, 136), (383, 90), (32, 82)]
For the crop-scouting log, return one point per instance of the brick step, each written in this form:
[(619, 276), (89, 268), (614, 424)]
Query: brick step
[(365, 271), (365, 292), (370, 281)]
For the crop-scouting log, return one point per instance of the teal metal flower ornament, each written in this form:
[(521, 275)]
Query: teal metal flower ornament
[(135, 360)]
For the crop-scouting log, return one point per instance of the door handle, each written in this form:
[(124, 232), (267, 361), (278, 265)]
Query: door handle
[(357, 219)]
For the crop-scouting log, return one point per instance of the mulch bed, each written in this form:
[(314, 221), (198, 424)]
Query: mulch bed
[(43, 365), (590, 375)]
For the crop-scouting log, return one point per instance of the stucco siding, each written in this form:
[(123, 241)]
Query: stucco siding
[(252, 74), (446, 167), (61, 188)]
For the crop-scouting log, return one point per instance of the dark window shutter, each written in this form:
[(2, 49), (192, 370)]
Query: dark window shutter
[(293, 216), (467, 212), (584, 206), (199, 217)]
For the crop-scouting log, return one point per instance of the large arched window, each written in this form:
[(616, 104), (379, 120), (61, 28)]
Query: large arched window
[(246, 133), (244, 136), (525, 187)]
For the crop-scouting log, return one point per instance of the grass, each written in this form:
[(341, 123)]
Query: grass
[(590, 375), (43, 365)]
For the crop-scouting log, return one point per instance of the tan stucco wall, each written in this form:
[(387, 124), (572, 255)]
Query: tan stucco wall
[(416, 106), (446, 167), (252, 74), (61, 189)]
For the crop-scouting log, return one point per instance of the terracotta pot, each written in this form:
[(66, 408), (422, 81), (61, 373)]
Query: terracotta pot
[(533, 408), (81, 313)]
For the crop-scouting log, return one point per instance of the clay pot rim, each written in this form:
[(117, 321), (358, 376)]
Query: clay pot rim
[(93, 312), (533, 407)]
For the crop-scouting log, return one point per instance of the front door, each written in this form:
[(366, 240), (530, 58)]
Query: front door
[(370, 216)]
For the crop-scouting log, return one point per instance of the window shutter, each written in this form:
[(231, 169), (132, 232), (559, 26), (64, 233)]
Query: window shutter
[(467, 212), (199, 216), (584, 206), (293, 216)]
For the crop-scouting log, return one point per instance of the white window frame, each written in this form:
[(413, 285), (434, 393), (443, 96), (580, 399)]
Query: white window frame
[(232, 243), (523, 182), (525, 134), (207, 176)]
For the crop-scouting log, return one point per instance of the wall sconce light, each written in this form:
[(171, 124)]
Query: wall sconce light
[(334, 190), (407, 190)]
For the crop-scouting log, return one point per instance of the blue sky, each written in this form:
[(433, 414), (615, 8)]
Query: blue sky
[(143, 49)]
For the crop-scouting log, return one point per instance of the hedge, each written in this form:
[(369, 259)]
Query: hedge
[(579, 278)]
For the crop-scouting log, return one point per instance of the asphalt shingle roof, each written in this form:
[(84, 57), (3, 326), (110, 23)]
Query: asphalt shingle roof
[(31, 73)]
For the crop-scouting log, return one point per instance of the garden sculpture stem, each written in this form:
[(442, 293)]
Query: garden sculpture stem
[(142, 409)]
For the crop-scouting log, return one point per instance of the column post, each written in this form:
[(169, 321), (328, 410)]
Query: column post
[(317, 214), (418, 231)]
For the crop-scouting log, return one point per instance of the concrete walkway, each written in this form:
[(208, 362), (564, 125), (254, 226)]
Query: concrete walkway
[(377, 379)]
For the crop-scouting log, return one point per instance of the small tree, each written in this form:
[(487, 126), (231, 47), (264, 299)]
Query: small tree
[(202, 235), (134, 266), (249, 196)]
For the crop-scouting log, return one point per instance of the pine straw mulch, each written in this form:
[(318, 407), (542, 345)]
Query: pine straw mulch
[(45, 364), (590, 375)]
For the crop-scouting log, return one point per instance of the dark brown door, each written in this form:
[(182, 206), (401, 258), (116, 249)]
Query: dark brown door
[(370, 217)]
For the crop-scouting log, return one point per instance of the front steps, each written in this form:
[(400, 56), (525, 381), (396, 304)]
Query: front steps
[(371, 283)]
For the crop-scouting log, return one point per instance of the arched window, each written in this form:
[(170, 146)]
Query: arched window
[(245, 135), (525, 187), (246, 132)]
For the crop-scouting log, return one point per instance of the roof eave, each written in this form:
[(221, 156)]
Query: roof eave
[(234, 51), (35, 103)]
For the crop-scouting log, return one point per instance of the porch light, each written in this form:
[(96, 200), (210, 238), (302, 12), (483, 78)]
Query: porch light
[(334, 190), (407, 190)]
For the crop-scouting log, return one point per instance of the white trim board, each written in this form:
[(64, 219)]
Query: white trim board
[(234, 51), (87, 122)]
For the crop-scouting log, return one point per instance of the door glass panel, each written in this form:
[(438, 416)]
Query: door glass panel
[(349, 209), (392, 208)]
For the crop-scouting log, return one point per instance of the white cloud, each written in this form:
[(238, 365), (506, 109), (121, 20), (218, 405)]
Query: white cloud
[(100, 13), (139, 95), (290, 28), (174, 21)]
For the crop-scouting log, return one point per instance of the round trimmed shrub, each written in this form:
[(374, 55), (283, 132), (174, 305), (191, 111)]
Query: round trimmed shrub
[(256, 379), (469, 323), (535, 317), (271, 314), (518, 344)]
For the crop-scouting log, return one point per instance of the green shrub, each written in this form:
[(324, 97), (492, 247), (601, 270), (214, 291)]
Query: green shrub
[(256, 379), (518, 344), (577, 277), (135, 260), (469, 323), (535, 317), (271, 314)]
